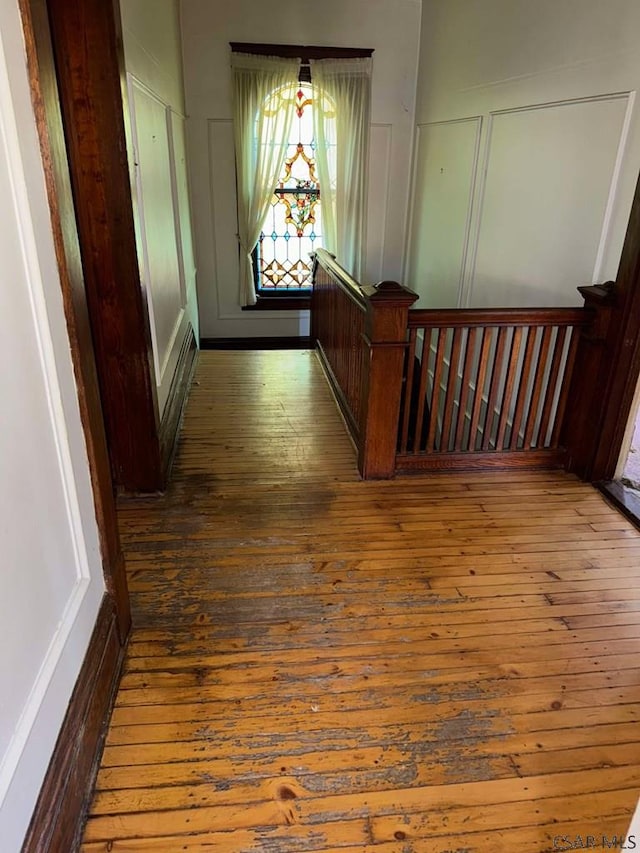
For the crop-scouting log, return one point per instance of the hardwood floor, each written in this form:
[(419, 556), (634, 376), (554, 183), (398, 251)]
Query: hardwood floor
[(439, 664)]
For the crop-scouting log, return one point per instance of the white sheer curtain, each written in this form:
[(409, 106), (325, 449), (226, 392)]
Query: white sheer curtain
[(263, 110), (341, 109)]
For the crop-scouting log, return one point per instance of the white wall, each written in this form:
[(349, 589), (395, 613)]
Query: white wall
[(51, 579), (151, 33), (391, 27), (527, 149)]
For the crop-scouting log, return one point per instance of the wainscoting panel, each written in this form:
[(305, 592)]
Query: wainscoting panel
[(549, 181), (445, 160), (160, 265)]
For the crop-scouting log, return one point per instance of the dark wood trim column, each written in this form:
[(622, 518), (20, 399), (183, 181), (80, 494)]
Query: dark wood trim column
[(89, 67), (623, 354)]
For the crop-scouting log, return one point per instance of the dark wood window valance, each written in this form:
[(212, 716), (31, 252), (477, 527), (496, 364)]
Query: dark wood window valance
[(304, 52)]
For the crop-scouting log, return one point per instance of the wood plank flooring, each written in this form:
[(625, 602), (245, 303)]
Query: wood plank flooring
[(442, 664)]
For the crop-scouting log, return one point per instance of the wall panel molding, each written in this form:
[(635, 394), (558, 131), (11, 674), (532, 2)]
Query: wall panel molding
[(494, 119), (211, 124), (163, 275), (172, 116), (614, 188), (416, 195), (379, 200), (477, 208)]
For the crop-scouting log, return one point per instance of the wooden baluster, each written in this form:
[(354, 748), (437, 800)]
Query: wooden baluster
[(552, 384), (452, 382), (508, 386), (464, 388), (480, 381), (536, 391), (435, 395), (496, 374), (566, 387), (408, 391), (523, 385), (422, 390), (385, 338)]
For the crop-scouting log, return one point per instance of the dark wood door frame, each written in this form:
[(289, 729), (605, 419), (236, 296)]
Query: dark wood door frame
[(606, 375), (623, 348), (89, 63)]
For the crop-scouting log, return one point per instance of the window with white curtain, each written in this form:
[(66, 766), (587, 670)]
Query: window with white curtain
[(301, 129)]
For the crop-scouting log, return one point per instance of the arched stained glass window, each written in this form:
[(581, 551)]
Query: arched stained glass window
[(293, 227)]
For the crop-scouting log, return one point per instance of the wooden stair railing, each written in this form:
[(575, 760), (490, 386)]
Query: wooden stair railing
[(461, 388), (360, 334), (493, 387)]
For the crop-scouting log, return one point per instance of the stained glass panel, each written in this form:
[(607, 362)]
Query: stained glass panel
[(293, 228)]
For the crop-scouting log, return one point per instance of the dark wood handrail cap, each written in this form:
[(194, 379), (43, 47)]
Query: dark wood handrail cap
[(388, 285), (384, 291), (603, 293), (324, 258), (389, 291)]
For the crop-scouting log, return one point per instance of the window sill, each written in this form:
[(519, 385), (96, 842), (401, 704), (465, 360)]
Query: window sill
[(281, 303)]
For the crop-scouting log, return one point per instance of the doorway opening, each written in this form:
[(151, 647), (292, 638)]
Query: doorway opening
[(624, 489)]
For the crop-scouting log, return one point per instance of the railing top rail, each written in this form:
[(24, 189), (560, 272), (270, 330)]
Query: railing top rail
[(328, 262), (465, 317)]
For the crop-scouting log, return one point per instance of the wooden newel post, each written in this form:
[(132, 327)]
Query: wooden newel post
[(385, 340), (584, 406)]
